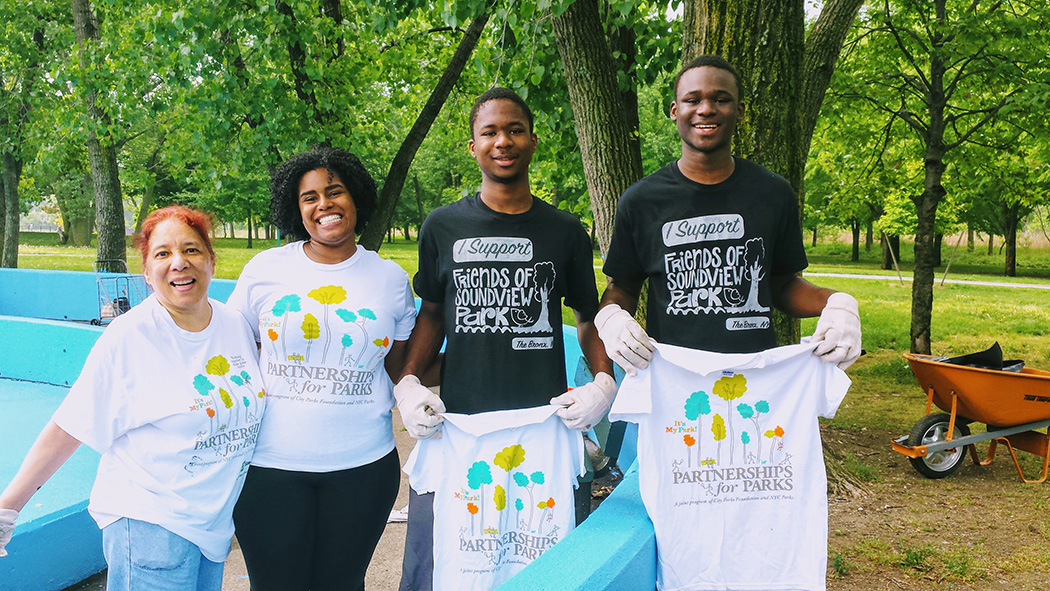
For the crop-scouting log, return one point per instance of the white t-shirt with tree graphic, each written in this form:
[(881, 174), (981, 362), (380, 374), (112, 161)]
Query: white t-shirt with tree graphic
[(731, 467), (503, 492), (175, 415), (324, 332)]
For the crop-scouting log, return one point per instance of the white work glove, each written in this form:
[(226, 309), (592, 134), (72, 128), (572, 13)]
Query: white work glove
[(625, 340), (419, 407), (7, 528), (584, 406), (838, 331)]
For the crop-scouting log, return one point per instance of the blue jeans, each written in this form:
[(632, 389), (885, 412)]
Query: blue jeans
[(146, 557)]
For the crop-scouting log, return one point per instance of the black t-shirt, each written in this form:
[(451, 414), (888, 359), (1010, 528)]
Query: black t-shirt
[(709, 252), (501, 279)]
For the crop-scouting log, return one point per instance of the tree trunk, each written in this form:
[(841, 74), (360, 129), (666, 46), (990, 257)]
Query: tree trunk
[(926, 208), (3, 213), (855, 227), (814, 236), (991, 244), (12, 171), (869, 236), (151, 184), (969, 238), (1010, 231), (765, 41), (938, 244), (601, 121), (249, 223), (891, 250), (419, 202), (622, 41), (372, 236), (109, 206)]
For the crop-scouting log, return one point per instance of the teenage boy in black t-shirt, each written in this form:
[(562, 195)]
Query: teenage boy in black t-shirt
[(719, 240), (493, 270)]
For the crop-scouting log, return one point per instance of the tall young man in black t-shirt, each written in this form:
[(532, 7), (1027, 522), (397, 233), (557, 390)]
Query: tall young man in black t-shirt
[(493, 270), (718, 239)]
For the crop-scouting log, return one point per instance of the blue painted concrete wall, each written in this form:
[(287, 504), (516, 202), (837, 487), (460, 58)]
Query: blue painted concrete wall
[(56, 542), (612, 550), (64, 295)]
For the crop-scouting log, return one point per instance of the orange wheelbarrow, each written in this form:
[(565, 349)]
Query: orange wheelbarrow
[(1015, 406)]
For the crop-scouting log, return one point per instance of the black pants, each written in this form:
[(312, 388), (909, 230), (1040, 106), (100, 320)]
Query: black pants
[(303, 531)]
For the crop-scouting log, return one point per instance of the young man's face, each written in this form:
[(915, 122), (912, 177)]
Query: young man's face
[(706, 109), (502, 144)]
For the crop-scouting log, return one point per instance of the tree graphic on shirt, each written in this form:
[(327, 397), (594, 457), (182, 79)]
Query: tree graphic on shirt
[(219, 366), (499, 498), (777, 440), (311, 331), (547, 515), (542, 284), (243, 380), (379, 353), (283, 307), (272, 335), (729, 388), (472, 509), (203, 386), (508, 459), (358, 320), (347, 341), (528, 483), (718, 429), (326, 296), (689, 441), (746, 411), (753, 254), (745, 439), (478, 476), (696, 406)]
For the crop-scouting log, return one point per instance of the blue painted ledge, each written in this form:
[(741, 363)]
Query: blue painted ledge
[(612, 550), (56, 542)]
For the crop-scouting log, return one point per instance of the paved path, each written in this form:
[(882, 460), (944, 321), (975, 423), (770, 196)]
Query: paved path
[(936, 281)]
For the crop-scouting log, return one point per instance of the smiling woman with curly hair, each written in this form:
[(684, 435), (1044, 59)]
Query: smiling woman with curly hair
[(331, 317), (284, 188)]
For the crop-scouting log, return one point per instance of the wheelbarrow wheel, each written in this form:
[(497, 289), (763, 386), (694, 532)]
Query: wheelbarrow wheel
[(932, 429)]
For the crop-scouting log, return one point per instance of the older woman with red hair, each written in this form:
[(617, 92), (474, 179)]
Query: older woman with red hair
[(170, 395)]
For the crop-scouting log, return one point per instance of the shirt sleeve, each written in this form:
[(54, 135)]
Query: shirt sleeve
[(240, 300), (582, 293), (97, 411), (622, 261), (790, 253), (426, 282), (406, 319)]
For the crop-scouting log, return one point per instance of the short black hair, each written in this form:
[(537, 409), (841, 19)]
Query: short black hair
[(284, 187), (714, 61), (494, 93)]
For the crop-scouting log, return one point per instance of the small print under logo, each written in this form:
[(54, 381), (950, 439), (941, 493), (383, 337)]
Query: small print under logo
[(747, 323), (703, 229), (492, 248), (530, 343)]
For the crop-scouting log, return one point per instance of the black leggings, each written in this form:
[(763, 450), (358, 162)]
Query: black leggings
[(303, 531)]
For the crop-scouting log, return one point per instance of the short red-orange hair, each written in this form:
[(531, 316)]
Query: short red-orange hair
[(194, 218)]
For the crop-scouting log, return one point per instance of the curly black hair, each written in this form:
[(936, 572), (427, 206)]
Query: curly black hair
[(284, 187)]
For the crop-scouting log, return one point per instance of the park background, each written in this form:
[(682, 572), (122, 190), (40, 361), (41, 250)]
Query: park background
[(914, 132)]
